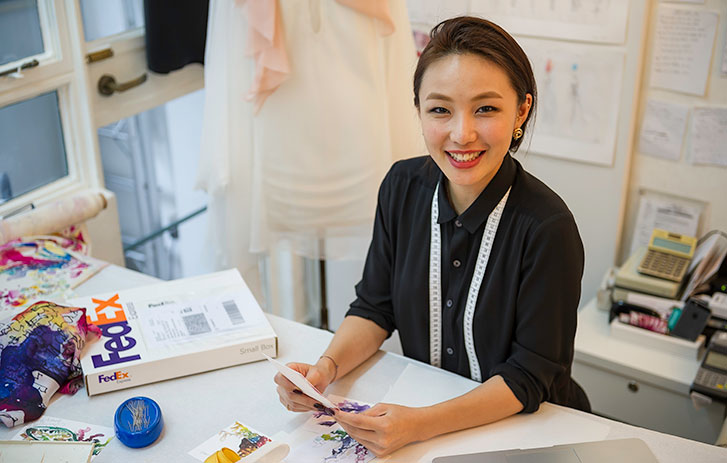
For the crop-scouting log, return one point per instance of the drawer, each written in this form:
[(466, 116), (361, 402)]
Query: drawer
[(649, 406)]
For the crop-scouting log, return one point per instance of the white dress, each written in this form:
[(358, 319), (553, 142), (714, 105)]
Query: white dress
[(307, 166)]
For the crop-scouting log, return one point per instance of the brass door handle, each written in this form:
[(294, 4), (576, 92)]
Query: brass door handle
[(107, 84)]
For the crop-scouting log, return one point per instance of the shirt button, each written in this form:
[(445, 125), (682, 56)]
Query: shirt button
[(450, 302), (456, 263), (458, 224), (450, 351)]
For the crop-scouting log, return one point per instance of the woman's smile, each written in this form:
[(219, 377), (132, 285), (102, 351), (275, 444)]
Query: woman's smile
[(464, 159)]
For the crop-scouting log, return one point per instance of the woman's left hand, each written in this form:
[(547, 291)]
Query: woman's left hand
[(383, 428)]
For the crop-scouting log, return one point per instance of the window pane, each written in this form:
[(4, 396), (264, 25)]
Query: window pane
[(20, 35), (33, 153), (102, 18)]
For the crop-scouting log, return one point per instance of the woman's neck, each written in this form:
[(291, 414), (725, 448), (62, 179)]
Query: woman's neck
[(462, 196)]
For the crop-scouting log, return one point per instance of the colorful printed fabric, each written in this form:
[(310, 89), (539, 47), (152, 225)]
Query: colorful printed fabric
[(40, 353), (42, 267)]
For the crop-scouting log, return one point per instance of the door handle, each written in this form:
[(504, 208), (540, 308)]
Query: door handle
[(107, 84)]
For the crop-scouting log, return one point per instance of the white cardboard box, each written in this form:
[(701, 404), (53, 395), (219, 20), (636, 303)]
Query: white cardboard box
[(173, 329), (661, 342)]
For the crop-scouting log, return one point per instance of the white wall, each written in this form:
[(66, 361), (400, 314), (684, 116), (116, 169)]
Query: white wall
[(694, 183)]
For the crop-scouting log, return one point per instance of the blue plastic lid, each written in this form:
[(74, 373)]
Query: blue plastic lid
[(138, 422)]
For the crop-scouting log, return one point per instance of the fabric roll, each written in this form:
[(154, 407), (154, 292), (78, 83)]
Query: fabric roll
[(53, 217)]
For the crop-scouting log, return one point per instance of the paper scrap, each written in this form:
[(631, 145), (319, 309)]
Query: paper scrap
[(683, 48), (709, 136), (664, 213), (49, 428), (662, 129), (300, 381), (246, 442)]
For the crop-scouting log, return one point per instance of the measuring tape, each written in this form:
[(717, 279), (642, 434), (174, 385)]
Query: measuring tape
[(435, 285)]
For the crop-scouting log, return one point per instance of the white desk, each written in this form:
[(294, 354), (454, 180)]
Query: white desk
[(637, 384), (197, 406)]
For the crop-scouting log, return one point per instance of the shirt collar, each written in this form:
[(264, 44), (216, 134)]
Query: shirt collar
[(477, 213)]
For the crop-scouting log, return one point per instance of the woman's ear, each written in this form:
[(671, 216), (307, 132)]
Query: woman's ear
[(524, 109)]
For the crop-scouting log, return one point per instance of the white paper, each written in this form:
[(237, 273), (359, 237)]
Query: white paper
[(708, 142), (441, 386), (682, 50), (724, 56), (545, 427), (300, 381), (431, 12), (579, 89), (662, 129), (48, 428), (586, 20), (248, 443), (666, 214)]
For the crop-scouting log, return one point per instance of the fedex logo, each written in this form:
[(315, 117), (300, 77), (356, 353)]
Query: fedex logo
[(115, 377), (110, 317)]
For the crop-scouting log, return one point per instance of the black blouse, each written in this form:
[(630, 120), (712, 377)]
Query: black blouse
[(525, 318)]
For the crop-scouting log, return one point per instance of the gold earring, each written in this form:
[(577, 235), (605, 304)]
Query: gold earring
[(517, 133)]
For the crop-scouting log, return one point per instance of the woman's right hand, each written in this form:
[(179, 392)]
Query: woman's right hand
[(319, 375)]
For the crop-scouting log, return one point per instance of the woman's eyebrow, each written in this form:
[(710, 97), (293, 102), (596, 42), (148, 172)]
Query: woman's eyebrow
[(481, 96)]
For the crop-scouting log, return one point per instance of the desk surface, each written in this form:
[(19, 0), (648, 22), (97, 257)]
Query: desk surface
[(197, 406)]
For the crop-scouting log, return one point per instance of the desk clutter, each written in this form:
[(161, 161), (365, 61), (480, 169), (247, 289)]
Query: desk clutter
[(672, 297), (121, 339)]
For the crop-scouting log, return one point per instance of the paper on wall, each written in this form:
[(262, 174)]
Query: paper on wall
[(432, 13), (662, 129), (586, 20), (709, 136), (683, 49), (666, 214)]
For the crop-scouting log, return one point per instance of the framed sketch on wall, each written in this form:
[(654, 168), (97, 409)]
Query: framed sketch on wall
[(601, 21), (579, 89)]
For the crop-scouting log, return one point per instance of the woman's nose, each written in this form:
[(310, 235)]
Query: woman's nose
[(463, 130)]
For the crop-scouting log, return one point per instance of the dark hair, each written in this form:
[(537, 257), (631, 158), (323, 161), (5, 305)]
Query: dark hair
[(468, 34)]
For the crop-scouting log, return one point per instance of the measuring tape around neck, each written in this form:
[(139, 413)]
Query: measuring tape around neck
[(435, 285)]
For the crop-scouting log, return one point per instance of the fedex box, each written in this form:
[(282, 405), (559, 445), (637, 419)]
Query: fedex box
[(173, 329)]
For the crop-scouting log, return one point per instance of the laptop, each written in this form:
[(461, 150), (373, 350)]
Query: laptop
[(606, 451)]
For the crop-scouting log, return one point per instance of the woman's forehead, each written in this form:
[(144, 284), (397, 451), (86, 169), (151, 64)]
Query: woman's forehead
[(464, 75)]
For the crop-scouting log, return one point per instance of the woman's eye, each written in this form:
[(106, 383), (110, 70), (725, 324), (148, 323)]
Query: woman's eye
[(486, 109), (438, 110)]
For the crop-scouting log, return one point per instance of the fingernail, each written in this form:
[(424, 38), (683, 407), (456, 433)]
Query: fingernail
[(297, 391), (319, 406)]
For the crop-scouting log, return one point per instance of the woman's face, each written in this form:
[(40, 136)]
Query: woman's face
[(468, 111)]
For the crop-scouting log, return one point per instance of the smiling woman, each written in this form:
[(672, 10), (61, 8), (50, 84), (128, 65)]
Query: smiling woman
[(502, 276)]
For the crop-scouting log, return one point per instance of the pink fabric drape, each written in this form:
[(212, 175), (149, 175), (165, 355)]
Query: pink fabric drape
[(266, 41)]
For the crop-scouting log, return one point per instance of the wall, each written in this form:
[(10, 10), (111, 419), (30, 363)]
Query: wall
[(706, 185)]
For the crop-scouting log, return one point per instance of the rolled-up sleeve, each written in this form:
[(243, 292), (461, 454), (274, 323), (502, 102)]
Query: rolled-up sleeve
[(373, 293), (546, 312)]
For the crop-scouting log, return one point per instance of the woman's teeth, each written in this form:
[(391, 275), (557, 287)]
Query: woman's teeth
[(464, 157)]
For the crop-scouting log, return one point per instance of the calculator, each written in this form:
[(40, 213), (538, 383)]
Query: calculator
[(711, 377), (668, 255)]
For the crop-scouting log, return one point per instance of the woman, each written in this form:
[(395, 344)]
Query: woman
[(495, 298)]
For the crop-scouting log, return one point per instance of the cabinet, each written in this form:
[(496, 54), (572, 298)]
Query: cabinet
[(639, 385)]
